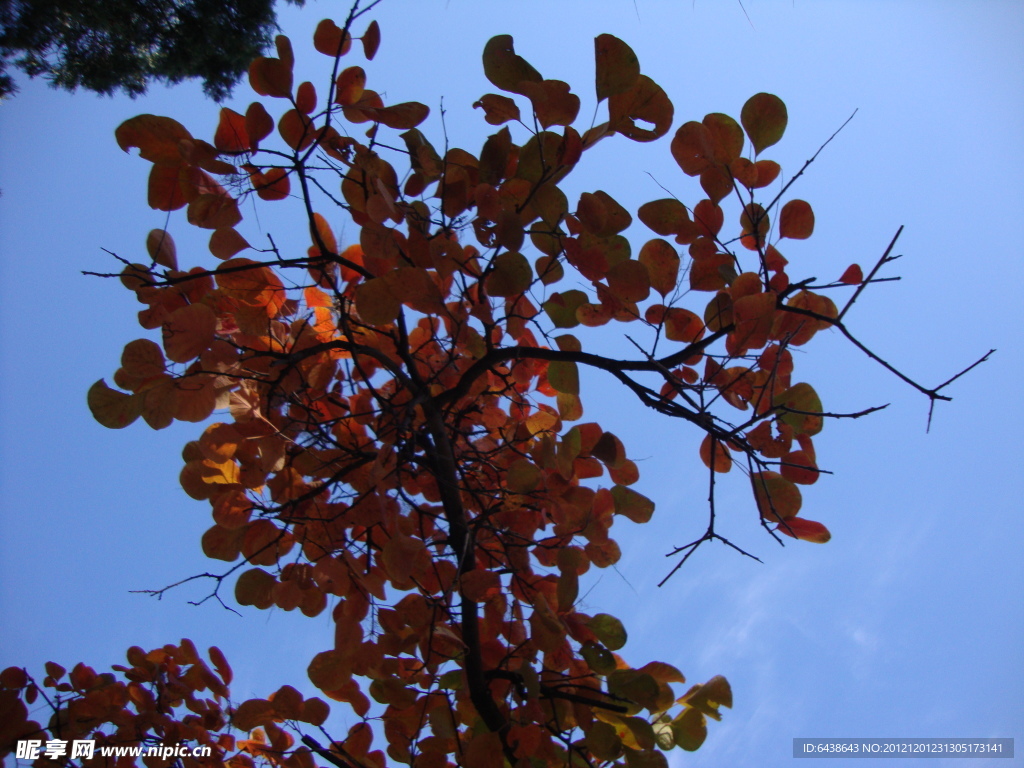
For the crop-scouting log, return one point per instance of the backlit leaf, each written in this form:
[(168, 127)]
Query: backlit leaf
[(112, 409), (764, 118), (329, 39), (350, 86), (722, 459), (497, 109), (511, 275), (618, 68), (376, 303), (271, 77), (232, 134), (808, 530), (609, 631), (645, 102), (853, 275), (552, 102), (800, 408), (188, 332), (662, 263), (796, 220), (226, 242), (160, 246), (564, 376), (371, 40), (158, 138), (690, 730), (633, 505), (665, 217), (777, 498), (505, 68), (629, 281)]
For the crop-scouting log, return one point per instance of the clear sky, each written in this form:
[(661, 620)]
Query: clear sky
[(909, 623)]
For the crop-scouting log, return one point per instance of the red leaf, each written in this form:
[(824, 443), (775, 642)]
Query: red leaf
[(808, 530), (853, 275)]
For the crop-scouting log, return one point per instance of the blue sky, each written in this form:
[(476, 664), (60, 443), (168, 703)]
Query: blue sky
[(907, 624)]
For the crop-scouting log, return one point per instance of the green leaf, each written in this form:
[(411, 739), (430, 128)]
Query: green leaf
[(800, 397), (690, 729), (631, 504), (564, 376), (609, 631), (764, 118)]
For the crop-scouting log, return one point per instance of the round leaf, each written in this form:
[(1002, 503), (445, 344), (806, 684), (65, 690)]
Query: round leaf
[(764, 118)]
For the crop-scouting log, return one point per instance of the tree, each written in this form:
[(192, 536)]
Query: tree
[(397, 408), (123, 46)]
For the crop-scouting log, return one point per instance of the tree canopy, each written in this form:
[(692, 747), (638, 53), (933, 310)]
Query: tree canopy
[(108, 46), (404, 441)]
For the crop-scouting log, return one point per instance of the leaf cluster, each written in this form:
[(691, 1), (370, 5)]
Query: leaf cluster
[(403, 441)]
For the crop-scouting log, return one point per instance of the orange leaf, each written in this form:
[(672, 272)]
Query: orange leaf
[(722, 461), (618, 68), (709, 218), (552, 102), (143, 358), (764, 118), (158, 138), (683, 325), (213, 211), (161, 248), (272, 185), (767, 172), (226, 242), (777, 498), (799, 467), (164, 191), (796, 220), (296, 129), (330, 39), (112, 409), (305, 98), (258, 123), (497, 109), (808, 530), (408, 114), (505, 68), (691, 147), (255, 587), (232, 134), (271, 77), (376, 303), (646, 102), (665, 217), (371, 40), (350, 86), (662, 263), (629, 281), (188, 332), (329, 670)]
